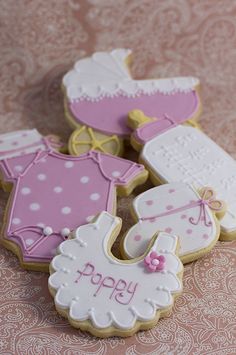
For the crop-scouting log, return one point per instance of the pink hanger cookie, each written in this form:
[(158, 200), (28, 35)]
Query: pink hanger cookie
[(106, 296), (53, 193)]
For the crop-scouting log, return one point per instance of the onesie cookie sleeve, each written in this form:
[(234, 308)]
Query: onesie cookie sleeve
[(121, 171), (12, 168)]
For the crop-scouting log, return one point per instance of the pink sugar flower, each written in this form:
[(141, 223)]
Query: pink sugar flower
[(154, 262)]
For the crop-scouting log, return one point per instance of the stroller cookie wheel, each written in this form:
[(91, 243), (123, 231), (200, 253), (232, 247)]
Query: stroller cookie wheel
[(85, 138)]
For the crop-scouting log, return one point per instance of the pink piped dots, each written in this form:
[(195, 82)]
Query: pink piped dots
[(149, 202), (183, 216), (169, 207), (205, 236), (189, 231), (168, 230), (171, 191), (137, 237)]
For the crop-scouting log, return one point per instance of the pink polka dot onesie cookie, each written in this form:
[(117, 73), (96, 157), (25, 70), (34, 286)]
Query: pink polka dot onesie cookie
[(106, 296), (179, 209), (52, 193), (176, 152), (100, 91)]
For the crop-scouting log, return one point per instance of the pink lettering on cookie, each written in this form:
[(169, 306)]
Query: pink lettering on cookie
[(108, 293), (121, 290)]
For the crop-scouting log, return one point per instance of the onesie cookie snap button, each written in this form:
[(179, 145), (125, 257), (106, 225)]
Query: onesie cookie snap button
[(47, 231), (65, 232)]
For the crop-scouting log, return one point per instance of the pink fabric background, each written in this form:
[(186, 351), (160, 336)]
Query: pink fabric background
[(39, 41)]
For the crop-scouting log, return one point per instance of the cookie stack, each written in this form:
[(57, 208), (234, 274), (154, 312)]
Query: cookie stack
[(62, 206)]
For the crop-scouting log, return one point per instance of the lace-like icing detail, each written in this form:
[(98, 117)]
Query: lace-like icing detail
[(106, 74)]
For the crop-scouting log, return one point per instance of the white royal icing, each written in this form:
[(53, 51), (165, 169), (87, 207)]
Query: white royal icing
[(105, 74), (166, 199), (16, 143), (134, 294), (186, 154)]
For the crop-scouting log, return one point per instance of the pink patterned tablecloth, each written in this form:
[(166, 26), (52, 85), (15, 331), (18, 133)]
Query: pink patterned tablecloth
[(39, 41)]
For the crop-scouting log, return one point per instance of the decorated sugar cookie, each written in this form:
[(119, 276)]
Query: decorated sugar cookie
[(52, 193), (179, 209), (106, 296), (100, 91), (173, 152)]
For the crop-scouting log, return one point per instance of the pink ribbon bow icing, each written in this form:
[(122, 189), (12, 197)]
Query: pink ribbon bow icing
[(208, 198)]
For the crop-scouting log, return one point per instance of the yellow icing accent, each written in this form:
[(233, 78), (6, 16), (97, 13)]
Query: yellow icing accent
[(136, 118), (93, 140)]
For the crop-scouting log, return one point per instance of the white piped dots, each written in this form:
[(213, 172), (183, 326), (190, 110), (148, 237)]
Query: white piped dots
[(69, 164), (25, 190), (95, 196), (58, 189), (41, 177), (16, 220), (18, 168), (29, 241), (116, 173), (34, 206), (65, 232), (47, 231), (84, 179), (66, 210), (41, 225)]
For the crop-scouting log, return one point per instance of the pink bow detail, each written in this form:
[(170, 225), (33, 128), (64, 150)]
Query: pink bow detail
[(208, 198)]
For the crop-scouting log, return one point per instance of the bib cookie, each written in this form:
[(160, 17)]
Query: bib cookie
[(179, 209), (99, 93), (53, 193), (106, 296), (174, 152)]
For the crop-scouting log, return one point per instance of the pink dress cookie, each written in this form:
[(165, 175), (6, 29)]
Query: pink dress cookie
[(53, 193), (100, 92)]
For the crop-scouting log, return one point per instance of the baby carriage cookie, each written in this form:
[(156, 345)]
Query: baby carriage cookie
[(179, 209), (106, 296), (174, 152), (53, 193), (99, 93)]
